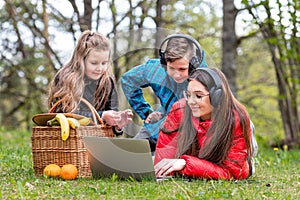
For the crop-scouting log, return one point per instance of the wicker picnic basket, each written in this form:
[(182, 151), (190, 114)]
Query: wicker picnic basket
[(49, 148)]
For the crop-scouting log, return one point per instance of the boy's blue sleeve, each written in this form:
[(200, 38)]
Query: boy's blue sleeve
[(132, 83), (203, 63)]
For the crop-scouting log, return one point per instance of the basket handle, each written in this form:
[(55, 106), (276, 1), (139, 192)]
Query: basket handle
[(96, 117)]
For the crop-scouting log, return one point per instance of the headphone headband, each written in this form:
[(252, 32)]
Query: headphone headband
[(216, 91), (214, 76), (190, 38)]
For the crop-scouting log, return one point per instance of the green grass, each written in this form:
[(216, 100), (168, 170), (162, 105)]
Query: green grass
[(277, 177)]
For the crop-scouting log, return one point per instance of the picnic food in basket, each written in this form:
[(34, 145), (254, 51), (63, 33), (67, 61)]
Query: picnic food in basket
[(84, 121), (73, 123), (41, 119), (64, 125), (48, 146), (61, 119)]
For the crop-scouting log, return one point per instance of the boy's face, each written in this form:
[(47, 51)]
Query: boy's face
[(178, 70)]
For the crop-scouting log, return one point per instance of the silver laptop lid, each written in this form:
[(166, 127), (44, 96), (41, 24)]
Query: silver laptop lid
[(125, 157)]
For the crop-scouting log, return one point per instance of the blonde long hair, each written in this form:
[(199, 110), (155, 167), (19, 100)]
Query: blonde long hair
[(68, 84)]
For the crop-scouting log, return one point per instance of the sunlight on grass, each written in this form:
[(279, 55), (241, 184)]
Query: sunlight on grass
[(277, 177)]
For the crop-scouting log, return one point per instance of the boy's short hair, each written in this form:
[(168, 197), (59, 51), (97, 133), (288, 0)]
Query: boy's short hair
[(179, 48)]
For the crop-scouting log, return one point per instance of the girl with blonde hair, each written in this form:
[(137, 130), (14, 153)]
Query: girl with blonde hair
[(88, 75)]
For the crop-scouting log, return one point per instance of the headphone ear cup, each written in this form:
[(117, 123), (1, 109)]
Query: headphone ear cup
[(215, 96), (194, 64), (163, 61), (216, 91)]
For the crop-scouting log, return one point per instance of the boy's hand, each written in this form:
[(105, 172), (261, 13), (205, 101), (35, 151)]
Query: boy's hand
[(153, 117)]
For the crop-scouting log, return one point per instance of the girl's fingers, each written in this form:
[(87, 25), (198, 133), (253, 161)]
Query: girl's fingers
[(163, 168)]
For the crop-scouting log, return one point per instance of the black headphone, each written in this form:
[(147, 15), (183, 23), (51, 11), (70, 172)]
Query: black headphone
[(194, 62), (216, 91)]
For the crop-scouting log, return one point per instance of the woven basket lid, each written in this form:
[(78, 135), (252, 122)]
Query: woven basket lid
[(41, 119)]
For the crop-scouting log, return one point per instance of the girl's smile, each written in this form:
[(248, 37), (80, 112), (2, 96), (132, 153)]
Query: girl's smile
[(95, 63), (198, 100)]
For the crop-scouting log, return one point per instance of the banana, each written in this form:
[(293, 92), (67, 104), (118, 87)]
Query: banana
[(64, 124), (84, 121), (53, 122), (74, 123)]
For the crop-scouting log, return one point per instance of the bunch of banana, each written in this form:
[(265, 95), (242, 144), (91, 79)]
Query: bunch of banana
[(66, 122), (53, 122), (74, 123), (84, 121)]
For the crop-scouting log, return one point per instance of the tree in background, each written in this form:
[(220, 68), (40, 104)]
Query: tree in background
[(230, 43), (279, 24), (30, 53), (25, 62)]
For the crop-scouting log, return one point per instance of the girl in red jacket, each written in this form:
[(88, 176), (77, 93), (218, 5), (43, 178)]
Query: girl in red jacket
[(207, 134)]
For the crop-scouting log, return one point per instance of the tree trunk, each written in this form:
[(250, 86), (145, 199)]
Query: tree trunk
[(86, 20), (284, 51), (159, 24), (287, 110), (229, 44)]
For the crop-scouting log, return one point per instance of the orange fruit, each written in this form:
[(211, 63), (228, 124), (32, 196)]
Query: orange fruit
[(52, 170), (68, 172)]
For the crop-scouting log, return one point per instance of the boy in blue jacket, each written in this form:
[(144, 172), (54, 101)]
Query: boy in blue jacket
[(180, 55)]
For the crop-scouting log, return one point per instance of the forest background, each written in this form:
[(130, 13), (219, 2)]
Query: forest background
[(255, 43)]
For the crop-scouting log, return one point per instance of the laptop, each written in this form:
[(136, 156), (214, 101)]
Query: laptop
[(125, 157)]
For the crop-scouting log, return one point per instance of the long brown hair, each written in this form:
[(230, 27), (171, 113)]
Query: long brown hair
[(223, 123), (68, 83)]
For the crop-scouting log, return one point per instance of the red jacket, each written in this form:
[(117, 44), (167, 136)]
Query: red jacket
[(234, 166)]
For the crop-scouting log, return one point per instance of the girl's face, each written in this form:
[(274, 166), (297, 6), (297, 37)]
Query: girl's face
[(178, 70), (198, 100), (96, 62)]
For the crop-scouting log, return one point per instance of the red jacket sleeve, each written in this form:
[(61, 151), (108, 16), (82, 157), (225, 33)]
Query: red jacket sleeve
[(199, 168), (235, 165), (167, 142)]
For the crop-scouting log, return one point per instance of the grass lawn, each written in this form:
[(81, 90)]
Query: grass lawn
[(277, 177)]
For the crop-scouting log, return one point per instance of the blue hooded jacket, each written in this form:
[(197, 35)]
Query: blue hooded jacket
[(152, 74)]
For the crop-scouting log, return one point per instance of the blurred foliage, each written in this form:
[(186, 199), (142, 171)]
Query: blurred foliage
[(29, 60), (258, 89), (278, 21)]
